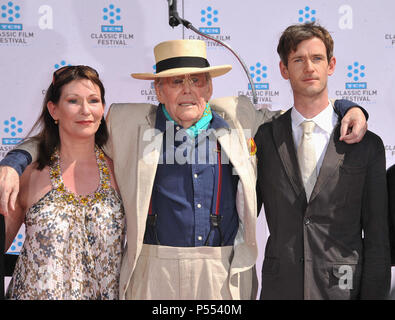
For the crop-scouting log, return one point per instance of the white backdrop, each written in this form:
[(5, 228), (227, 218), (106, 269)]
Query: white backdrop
[(117, 37)]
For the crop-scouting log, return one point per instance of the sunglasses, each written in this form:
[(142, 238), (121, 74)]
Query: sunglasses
[(194, 80), (84, 69)]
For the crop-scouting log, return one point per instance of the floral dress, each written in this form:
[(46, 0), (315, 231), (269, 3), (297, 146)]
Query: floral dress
[(74, 244)]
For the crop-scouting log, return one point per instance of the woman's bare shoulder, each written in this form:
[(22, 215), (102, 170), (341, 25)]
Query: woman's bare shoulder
[(34, 185)]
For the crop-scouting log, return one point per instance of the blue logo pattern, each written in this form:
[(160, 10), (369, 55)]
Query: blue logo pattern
[(61, 64), (258, 73), (10, 12), (306, 15), (16, 245), (13, 128), (356, 73), (153, 71), (209, 16), (111, 15)]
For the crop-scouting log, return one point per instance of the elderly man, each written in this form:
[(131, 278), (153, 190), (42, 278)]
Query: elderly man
[(187, 179)]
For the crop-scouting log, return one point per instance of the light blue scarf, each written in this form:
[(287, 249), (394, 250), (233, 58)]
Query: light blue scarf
[(199, 126)]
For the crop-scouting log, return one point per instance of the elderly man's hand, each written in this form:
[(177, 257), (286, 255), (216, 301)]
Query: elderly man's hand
[(353, 126), (9, 188)]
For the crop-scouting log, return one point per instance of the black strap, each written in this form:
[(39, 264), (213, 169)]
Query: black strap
[(181, 62), (151, 226), (215, 218), (215, 223)]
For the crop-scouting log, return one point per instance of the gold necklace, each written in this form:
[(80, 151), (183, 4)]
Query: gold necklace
[(72, 198)]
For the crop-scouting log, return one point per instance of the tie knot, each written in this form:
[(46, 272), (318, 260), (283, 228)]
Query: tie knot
[(308, 126)]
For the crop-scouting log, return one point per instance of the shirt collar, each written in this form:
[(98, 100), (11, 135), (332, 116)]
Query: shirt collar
[(326, 119), (216, 123)]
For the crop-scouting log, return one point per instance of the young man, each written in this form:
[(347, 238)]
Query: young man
[(190, 213), (325, 201)]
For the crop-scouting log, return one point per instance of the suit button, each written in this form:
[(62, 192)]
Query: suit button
[(307, 221), (301, 260)]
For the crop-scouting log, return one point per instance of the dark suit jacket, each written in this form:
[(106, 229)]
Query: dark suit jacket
[(315, 250), (391, 201)]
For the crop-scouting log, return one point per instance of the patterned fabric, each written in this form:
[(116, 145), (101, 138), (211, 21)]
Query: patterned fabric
[(199, 126), (73, 244)]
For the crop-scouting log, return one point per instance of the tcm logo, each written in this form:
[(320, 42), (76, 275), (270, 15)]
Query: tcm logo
[(61, 64), (356, 73), (16, 245), (307, 15), (209, 17), (11, 14), (258, 73), (12, 127), (111, 15), (153, 71)]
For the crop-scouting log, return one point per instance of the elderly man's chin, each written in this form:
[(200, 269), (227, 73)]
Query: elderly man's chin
[(190, 111), (190, 115)]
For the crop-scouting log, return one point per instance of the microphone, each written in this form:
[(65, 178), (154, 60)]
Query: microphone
[(174, 19)]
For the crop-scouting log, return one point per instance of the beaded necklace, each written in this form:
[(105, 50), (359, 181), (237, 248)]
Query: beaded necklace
[(72, 198)]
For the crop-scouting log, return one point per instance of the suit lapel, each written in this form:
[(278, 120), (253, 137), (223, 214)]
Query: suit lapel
[(334, 156), (235, 149), (282, 135), (150, 143)]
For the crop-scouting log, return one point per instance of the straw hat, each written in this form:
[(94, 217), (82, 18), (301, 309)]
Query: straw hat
[(180, 57)]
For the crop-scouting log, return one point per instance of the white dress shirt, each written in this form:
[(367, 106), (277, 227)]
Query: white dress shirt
[(325, 122)]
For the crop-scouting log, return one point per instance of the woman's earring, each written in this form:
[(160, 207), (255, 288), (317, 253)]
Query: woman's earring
[(56, 121)]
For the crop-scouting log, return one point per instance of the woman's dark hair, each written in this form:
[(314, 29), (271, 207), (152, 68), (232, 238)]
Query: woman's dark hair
[(48, 136)]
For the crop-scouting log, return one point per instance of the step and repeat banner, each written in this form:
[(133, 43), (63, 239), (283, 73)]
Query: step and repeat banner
[(117, 37)]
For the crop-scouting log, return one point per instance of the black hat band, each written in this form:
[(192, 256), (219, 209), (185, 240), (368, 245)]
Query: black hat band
[(181, 62)]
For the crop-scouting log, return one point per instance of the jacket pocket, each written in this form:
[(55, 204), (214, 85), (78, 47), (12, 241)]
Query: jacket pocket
[(352, 170), (271, 266), (349, 187)]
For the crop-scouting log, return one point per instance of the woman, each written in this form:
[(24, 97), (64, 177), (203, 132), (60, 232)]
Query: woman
[(69, 199)]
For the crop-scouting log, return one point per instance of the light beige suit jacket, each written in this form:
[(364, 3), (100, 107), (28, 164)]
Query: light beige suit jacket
[(134, 146)]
